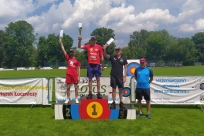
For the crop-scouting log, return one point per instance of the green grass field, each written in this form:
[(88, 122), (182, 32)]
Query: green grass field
[(179, 120), (184, 71)]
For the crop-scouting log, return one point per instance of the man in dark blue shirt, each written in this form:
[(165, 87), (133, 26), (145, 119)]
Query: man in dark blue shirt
[(143, 76)]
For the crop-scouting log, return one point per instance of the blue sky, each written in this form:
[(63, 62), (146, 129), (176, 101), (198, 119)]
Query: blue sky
[(182, 18)]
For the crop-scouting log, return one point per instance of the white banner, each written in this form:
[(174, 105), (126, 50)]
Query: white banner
[(61, 93), (177, 90), (25, 91)]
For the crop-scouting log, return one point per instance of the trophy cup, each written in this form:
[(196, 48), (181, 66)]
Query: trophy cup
[(80, 28), (61, 33), (110, 41)]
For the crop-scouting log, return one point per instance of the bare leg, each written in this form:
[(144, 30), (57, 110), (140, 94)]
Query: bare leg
[(68, 90), (139, 104), (113, 94), (148, 106), (120, 94), (98, 84), (76, 90), (90, 84)]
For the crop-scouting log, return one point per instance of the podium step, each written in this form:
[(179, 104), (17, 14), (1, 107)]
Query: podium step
[(127, 106), (95, 97), (93, 109)]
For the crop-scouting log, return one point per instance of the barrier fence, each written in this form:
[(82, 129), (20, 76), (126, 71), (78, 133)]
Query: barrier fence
[(164, 90)]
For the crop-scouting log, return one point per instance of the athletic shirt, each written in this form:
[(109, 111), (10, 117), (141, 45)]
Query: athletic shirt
[(72, 64), (94, 53), (143, 77), (117, 66)]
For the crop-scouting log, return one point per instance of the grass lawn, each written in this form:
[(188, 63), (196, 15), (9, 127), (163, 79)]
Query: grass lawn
[(184, 71), (179, 120)]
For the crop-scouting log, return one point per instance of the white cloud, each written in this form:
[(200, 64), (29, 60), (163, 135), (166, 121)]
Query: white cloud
[(186, 28), (116, 14), (38, 23), (190, 8), (123, 27), (129, 22), (197, 26), (12, 10), (55, 26), (156, 15), (86, 11), (123, 16)]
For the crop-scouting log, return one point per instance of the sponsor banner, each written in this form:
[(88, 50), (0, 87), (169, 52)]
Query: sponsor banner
[(177, 90), (25, 91), (105, 89)]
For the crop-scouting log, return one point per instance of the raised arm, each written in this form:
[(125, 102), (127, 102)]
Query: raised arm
[(79, 42), (62, 46), (105, 54)]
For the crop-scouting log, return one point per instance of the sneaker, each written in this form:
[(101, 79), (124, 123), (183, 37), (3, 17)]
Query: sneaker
[(89, 96), (99, 96), (67, 101), (77, 101), (112, 106), (139, 114), (148, 116), (122, 107)]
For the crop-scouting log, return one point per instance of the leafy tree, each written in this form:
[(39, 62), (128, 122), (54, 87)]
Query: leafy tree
[(81, 57), (19, 44), (138, 44), (42, 51), (136, 51), (49, 49), (155, 48), (198, 39), (2, 41), (140, 37), (126, 52), (184, 51)]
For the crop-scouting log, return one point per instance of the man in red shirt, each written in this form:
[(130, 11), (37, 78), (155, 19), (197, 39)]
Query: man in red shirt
[(95, 57), (72, 73)]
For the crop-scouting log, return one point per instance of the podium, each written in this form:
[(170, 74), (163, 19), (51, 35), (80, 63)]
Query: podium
[(93, 109)]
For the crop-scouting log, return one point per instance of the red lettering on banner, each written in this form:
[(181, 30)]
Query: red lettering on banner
[(25, 94), (4, 94)]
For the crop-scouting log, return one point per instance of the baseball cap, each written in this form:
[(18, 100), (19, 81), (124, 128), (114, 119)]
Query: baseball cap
[(71, 50), (93, 37), (117, 48), (142, 60)]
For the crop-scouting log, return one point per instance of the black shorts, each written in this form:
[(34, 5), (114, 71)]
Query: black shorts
[(115, 81), (142, 92)]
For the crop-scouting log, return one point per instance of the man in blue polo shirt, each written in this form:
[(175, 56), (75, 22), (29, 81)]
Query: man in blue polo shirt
[(143, 76)]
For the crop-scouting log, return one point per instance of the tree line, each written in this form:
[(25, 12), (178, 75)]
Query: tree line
[(20, 46)]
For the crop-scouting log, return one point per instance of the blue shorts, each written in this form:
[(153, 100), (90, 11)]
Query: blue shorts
[(93, 70)]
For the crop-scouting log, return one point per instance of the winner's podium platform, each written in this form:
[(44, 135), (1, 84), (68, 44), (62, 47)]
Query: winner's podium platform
[(95, 109)]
